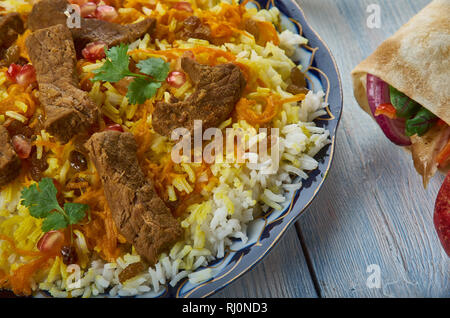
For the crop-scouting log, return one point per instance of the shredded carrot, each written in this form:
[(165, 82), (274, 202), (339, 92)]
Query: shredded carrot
[(171, 54), (213, 54), (295, 98), (57, 148), (20, 280), (143, 138), (18, 251), (244, 111), (17, 93), (267, 33), (101, 232)]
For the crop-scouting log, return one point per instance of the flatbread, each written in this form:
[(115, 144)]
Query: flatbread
[(415, 60)]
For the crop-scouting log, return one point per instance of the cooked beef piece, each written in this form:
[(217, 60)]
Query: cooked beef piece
[(138, 212), (9, 161), (298, 82), (69, 110), (51, 12), (112, 34), (193, 28), (9, 56), (11, 26), (216, 92)]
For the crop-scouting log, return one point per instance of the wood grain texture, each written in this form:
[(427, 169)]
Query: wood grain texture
[(373, 208), (283, 273)]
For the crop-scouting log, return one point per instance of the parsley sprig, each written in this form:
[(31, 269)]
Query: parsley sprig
[(144, 86), (42, 203)]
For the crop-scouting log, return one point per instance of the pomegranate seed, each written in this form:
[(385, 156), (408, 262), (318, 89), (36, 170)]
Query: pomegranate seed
[(51, 241), (26, 75), (22, 146), (78, 161), (106, 13), (183, 6), (115, 127), (87, 10), (94, 51), (12, 72), (176, 79)]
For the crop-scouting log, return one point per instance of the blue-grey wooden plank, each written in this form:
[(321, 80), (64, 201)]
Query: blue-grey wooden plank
[(283, 273), (373, 208)]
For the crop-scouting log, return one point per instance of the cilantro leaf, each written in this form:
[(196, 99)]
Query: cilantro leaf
[(145, 84), (75, 212), (54, 221), (155, 67), (40, 202), (116, 65), (141, 89)]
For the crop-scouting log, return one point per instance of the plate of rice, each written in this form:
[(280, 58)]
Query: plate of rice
[(155, 148)]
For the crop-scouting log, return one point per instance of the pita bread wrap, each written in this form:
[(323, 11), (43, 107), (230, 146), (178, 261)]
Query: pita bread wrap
[(416, 61)]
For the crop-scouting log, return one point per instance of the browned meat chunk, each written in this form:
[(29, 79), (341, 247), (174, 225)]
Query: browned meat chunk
[(9, 161), (11, 26), (138, 212), (51, 12), (193, 28), (69, 110), (216, 92), (10, 55)]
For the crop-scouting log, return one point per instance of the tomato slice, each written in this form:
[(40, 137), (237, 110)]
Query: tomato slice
[(386, 109), (441, 217)]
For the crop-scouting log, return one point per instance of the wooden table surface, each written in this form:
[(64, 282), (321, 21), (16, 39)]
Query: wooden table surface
[(373, 209)]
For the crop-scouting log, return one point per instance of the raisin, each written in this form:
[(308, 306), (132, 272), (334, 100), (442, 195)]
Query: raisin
[(38, 166), (298, 77), (69, 255), (18, 128), (78, 161)]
